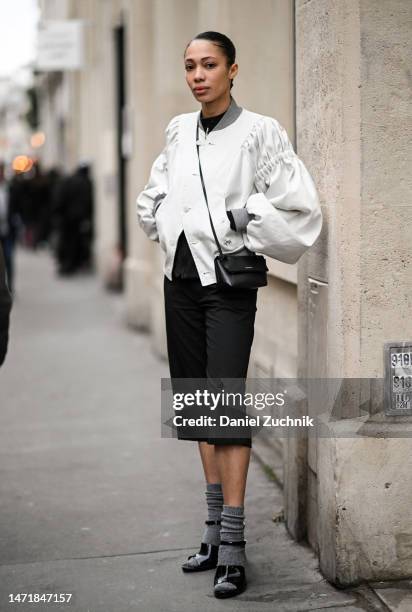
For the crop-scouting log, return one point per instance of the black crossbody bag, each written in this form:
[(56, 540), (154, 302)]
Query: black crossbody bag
[(234, 271)]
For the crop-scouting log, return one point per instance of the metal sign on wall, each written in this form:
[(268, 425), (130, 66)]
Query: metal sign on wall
[(398, 378), (60, 45)]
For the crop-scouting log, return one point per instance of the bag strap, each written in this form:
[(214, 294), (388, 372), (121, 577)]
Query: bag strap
[(204, 192)]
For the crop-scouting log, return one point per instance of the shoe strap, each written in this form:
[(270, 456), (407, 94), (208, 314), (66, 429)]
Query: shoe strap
[(212, 522), (229, 543)]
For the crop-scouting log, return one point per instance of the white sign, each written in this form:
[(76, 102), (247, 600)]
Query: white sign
[(60, 45), (398, 378)]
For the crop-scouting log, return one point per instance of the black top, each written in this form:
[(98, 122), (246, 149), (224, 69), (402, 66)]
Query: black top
[(184, 265)]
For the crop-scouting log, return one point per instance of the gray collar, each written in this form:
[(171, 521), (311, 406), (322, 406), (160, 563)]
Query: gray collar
[(228, 118)]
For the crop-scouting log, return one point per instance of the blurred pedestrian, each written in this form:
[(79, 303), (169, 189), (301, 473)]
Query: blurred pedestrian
[(5, 307), (46, 207), (54, 178), (74, 211), (8, 226), (37, 208)]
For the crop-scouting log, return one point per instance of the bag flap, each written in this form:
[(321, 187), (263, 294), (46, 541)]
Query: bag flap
[(243, 263)]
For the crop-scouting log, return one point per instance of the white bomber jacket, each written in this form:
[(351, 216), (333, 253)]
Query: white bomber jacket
[(247, 160)]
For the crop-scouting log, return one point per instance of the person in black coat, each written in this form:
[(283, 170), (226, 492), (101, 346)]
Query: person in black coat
[(73, 208), (5, 307)]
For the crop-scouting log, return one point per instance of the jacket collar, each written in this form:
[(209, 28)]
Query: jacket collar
[(228, 118)]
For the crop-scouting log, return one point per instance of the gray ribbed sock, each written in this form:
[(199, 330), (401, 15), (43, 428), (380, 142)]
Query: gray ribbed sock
[(232, 530), (214, 499)]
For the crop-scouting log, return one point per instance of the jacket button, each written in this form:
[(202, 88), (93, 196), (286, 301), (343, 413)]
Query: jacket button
[(228, 242), (186, 209)]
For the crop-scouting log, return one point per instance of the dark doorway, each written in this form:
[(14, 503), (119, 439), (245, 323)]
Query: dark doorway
[(120, 80)]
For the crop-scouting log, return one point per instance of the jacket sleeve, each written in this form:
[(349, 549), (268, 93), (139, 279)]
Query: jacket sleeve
[(287, 217), (5, 306), (156, 188)]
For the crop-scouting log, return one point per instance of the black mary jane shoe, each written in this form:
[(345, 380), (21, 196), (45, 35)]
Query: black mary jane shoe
[(230, 580), (205, 559)]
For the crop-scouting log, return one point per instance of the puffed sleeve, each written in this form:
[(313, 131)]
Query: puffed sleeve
[(287, 217), (156, 188)]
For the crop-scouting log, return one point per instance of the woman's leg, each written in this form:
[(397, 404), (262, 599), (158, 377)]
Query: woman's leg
[(232, 462), (214, 498), (186, 341), (209, 462), (230, 329)]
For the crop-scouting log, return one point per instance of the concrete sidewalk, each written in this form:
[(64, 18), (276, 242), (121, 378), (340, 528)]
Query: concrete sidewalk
[(93, 502)]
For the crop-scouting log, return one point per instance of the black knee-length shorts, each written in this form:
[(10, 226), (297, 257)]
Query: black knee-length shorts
[(209, 337)]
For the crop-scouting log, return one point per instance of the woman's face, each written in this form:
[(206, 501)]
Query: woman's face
[(207, 73)]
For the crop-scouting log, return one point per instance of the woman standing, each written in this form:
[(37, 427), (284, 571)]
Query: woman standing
[(262, 200)]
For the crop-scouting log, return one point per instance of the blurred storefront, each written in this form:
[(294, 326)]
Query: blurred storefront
[(333, 72), (14, 133)]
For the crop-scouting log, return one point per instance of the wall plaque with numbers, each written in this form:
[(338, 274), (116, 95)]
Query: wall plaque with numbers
[(398, 378)]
